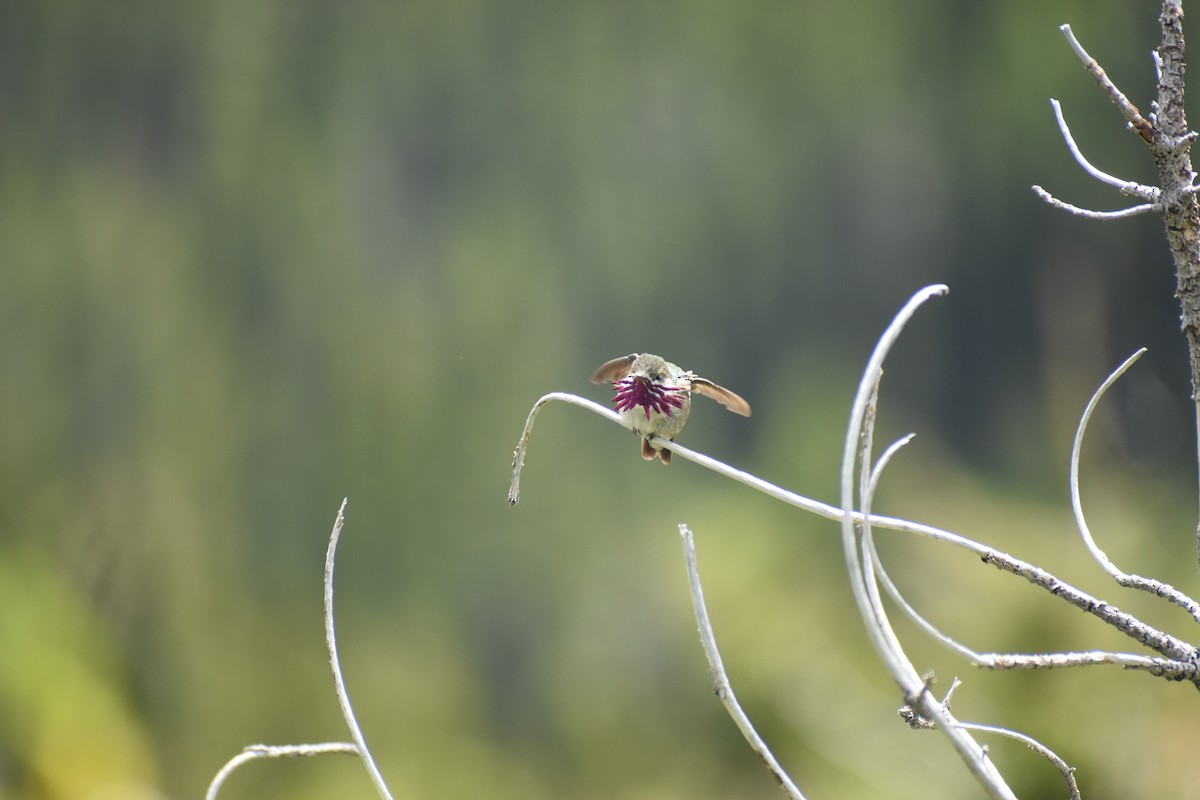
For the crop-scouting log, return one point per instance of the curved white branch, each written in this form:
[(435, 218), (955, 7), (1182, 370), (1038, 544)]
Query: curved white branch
[(518, 462), (1150, 194), (779, 493), (716, 671), (882, 636), (1132, 211), (930, 629), (1163, 590), (359, 746), (334, 664), (1068, 772), (1076, 449), (256, 751)]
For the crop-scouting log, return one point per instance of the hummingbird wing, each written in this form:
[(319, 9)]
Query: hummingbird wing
[(614, 370), (730, 400)]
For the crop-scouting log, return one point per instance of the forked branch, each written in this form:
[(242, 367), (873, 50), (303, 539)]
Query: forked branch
[(1166, 134), (291, 751)]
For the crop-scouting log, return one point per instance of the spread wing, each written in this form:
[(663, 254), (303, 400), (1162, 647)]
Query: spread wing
[(730, 400), (615, 370)]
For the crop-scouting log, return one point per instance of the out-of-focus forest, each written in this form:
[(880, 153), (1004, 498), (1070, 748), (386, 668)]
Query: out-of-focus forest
[(258, 256)]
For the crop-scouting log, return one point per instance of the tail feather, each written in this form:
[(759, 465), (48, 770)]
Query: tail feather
[(649, 453)]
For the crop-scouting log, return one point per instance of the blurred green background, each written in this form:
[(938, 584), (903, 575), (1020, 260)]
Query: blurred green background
[(259, 256)]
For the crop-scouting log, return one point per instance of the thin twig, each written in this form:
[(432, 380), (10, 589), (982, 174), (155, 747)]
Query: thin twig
[(518, 462), (924, 624), (1128, 109), (720, 680), (1150, 585), (877, 619), (287, 751), (1062, 205), (1171, 669), (873, 566), (256, 751), (1148, 193), (1068, 772), (331, 642), (1164, 643)]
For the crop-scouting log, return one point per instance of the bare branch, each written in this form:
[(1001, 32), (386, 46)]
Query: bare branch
[(1167, 135), (294, 750), (1151, 637), (331, 643), (1068, 772), (721, 468), (720, 680), (518, 463), (1151, 585), (862, 582), (882, 463), (1147, 193), (1128, 109), (256, 751), (924, 624), (1163, 643), (1173, 669), (1181, 219), (1132, 211), (877, 619)]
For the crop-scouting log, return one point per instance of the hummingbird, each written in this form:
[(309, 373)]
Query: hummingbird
[(654, 397)]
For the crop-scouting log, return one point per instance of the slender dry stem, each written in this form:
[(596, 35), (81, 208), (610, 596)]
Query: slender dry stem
[(1155, 587), (257, 751), (1065, 769), (720, 679), (335, 665)]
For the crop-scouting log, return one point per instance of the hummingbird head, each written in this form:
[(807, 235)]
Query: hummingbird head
[(644, 380), (656, 368)]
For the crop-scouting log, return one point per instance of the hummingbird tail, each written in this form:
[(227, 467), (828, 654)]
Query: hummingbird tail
[(649, 453)]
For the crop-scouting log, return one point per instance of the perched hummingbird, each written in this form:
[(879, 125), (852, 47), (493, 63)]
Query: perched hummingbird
[(654, 396)]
